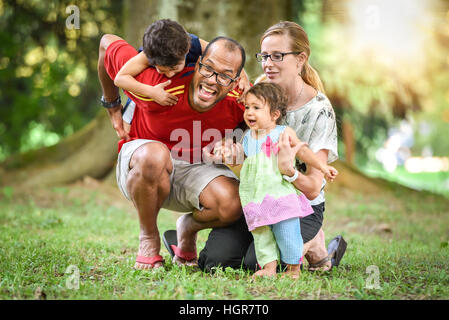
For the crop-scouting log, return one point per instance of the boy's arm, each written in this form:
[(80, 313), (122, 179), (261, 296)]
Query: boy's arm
[(125, 79), (204, 44)]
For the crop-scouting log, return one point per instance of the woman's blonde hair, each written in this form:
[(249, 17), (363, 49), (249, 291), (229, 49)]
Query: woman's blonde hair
[(300, 43)]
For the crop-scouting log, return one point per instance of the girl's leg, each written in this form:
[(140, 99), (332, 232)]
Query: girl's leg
[(289, 240), (266, 251)]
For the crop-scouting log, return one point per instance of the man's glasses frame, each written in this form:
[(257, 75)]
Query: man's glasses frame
[(275, 57), (221, 78)]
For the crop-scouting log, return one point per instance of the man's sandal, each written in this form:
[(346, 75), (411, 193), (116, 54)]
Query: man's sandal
[(171, 241), (336, 249), (149, 260)]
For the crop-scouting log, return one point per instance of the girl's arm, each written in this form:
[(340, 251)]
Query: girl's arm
[(134, 66)]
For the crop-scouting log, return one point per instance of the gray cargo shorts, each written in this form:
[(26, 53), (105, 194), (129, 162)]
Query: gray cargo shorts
[(187, 180)]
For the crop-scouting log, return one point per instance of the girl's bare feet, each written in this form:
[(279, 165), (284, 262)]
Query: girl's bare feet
[(269, 270), (293, 271)]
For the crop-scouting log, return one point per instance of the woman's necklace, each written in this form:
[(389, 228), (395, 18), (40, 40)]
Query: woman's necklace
[(300, 93), (295, 104)]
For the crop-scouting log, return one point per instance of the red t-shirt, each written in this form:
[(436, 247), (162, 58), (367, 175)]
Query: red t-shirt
[(183, 130)]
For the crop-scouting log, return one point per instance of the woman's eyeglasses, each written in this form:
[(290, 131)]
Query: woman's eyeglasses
[(275, 57)]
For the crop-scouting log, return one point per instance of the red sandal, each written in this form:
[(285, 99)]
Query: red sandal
[(149, 260), (170, 241)]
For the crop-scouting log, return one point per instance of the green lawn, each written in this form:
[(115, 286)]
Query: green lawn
[(437, 182), (401, 237)]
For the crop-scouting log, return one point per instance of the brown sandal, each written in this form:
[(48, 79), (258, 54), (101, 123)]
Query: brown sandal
[(336, 249)]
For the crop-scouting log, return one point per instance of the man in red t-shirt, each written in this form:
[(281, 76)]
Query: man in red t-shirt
[(160, 161)]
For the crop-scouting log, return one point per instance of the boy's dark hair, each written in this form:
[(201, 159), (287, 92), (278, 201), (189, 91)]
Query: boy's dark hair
[(165, 43), (231, 45), (273, 95)]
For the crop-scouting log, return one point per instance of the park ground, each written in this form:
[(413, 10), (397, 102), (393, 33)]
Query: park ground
[(397, 249)]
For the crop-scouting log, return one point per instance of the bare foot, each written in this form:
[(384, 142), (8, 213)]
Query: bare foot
[(269, 270), (293, 271), (148, 247), (186, 239)]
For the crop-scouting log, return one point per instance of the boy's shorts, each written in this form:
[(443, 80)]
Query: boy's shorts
[(187, 180)]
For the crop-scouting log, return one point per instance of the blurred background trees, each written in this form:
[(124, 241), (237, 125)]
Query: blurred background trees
[(384, 66)]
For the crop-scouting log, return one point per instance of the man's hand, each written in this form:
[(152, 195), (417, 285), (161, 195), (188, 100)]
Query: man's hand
[(232, 153), (224, 152), (161, 96), (115, 114)]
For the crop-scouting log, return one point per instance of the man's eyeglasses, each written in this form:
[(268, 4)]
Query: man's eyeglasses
[(222, 79), (275, 57)]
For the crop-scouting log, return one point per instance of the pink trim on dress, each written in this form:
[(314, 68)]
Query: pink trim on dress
[(272, 210)]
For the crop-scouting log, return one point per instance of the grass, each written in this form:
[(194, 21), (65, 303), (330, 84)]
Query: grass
[(397, 249), (437, 182)]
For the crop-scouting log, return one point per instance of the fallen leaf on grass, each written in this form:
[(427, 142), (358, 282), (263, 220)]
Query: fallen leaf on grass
[(383, 227)]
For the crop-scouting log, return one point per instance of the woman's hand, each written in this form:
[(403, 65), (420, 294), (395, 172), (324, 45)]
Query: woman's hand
[(287, 153)]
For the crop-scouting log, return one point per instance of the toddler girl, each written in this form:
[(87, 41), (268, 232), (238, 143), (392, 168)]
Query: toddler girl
[(271, 204)]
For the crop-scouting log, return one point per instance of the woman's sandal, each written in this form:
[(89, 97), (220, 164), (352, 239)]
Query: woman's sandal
[(336, 249)]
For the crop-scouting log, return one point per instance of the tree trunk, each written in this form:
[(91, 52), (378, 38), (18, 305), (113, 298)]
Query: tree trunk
[(92, 151), (89, 152), (348, 141)]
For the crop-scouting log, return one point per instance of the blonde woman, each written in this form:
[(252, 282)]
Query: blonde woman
[(284, 57)]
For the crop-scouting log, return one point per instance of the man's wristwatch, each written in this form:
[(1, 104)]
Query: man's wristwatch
[(292, 178), (111, 104)]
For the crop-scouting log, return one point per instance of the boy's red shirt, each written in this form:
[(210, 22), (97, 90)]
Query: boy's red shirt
[(173, 124)]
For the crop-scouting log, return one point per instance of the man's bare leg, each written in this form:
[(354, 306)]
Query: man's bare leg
[(221, 202), (148, 184), (316, 251)]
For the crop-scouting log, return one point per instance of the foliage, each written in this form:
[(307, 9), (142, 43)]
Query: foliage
[(48, 82), (373, 75)]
